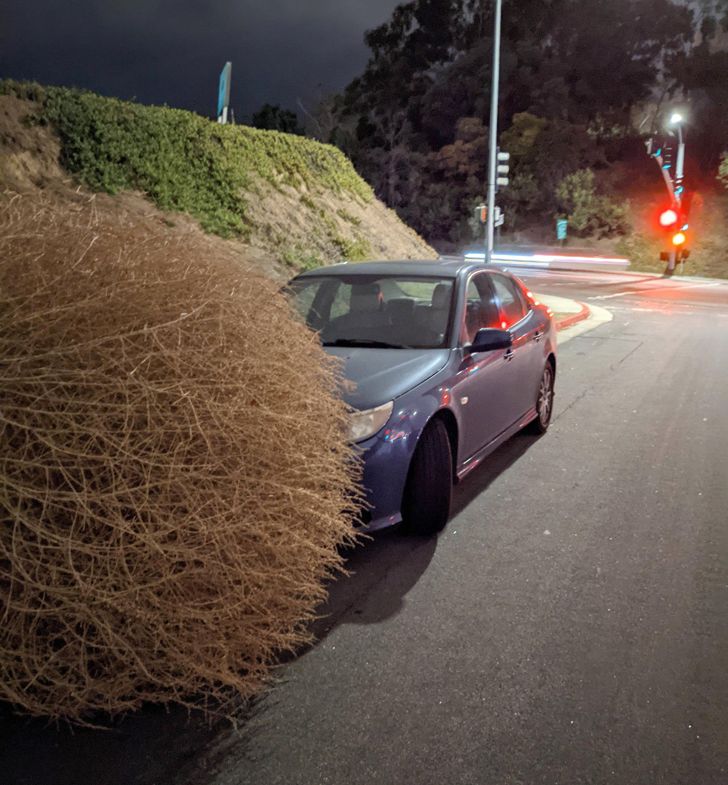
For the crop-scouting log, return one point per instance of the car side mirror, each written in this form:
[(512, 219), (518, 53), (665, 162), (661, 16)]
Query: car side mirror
[(488, 340)]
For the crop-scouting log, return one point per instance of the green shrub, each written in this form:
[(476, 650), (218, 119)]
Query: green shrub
[(723, 170), (642, 251), (301, 259), (181, 160), (347, 216), (309, 202), (356, 250), (28, 91), (588, 212)]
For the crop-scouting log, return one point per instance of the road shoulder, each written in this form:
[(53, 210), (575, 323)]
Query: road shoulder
[(573, 317)]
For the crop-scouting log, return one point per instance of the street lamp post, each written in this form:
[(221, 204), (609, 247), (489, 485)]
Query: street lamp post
[(676, 190), (493, 135), (677, 120)]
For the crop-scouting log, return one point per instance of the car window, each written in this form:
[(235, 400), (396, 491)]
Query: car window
[(341, 303), (512, 304), (393, 310), (421, 290), (306, 299), (480, 307)]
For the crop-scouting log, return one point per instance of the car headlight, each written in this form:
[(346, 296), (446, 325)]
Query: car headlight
[(363, 425)]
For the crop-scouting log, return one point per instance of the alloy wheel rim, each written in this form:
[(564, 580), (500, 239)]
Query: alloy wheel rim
[(545, 396)]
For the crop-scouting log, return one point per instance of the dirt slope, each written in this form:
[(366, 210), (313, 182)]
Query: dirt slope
[(290, 225)]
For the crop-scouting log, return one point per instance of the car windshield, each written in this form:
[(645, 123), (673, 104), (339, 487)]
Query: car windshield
[(383, 311)]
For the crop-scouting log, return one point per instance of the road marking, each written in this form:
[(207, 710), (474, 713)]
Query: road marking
[(609, 296), (649, 290), (598, 317)]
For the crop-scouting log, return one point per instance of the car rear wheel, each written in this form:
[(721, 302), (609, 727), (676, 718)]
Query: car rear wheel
[(544, 401), (426, 503)]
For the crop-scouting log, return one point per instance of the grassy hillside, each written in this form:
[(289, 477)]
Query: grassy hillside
[(295, 197)]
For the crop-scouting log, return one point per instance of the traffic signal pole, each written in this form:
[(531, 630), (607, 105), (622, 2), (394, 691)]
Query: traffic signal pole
[(675, 188), (679, 174), (678, 190), (493, 135)]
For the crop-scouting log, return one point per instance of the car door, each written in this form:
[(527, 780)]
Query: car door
[(525, 360), (481, 385)]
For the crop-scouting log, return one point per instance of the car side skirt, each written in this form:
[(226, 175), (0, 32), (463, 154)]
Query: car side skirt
[(474, 461)]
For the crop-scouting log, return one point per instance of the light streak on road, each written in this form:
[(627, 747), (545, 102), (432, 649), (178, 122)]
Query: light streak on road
[(653, 289), (520, 259)]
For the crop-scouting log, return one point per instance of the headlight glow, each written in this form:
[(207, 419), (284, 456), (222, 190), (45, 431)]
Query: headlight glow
[(363, 425)]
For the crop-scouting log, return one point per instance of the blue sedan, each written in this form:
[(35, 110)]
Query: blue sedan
[(448, 359)]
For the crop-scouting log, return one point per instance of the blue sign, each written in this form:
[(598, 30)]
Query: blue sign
[(223, 92), (561, 226)]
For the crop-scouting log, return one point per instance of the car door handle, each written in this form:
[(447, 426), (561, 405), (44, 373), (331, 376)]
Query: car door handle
[(537, 336), (508, 355)]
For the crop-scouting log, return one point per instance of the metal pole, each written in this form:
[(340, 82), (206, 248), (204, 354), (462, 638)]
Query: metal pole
[(679, 172), (680, 165), (493, 134), (672, 258)]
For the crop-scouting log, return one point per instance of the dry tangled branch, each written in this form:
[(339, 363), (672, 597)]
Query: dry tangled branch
[(174, 474)]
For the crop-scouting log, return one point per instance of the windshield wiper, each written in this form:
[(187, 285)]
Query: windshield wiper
[(364, 343)]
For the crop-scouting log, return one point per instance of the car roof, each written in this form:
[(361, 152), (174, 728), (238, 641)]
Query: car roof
[(444, 268)]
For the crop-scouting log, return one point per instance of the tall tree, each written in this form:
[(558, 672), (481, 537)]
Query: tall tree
[(580, 66), (274, 118), (701, 74)]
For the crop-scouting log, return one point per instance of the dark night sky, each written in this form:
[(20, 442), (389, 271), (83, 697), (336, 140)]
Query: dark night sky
[(172, 51)]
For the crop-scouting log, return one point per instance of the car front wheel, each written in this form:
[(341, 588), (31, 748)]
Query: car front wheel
[(426, 503)]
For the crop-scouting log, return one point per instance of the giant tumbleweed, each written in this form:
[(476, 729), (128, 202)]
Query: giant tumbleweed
[(174, 474)]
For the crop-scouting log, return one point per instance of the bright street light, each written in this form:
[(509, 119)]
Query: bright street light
[(676, 118)]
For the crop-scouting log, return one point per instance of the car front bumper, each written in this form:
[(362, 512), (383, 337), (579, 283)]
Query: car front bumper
[(386, 459)]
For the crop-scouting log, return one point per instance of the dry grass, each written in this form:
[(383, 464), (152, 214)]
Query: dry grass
[(174, 475)]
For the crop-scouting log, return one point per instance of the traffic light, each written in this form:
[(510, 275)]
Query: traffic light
[(674, 222), (502, 168), (668, 217), (481, 214)]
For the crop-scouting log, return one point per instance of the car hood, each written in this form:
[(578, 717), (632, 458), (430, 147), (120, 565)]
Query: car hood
[(381, 375)]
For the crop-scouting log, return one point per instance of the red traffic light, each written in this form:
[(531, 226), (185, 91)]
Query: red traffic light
[(668, 217)]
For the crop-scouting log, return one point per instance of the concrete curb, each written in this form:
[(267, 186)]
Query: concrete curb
[(568, 321)]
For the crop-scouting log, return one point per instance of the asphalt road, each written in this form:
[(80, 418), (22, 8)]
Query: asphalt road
[(570, 625)]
